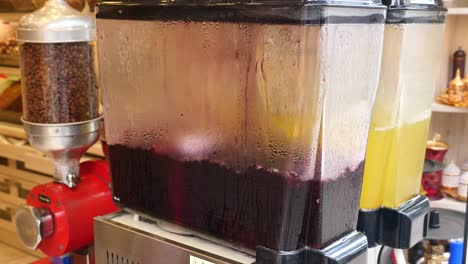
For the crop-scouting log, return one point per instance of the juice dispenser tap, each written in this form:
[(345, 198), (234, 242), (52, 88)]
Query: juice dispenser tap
[(244, 121), (392, 211), (60, 95)]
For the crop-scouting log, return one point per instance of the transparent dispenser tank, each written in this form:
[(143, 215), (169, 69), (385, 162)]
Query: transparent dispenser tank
[(58, 65), (248, 123), (402, 111)]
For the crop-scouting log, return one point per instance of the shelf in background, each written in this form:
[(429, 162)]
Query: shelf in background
[(437, 107), (448, 203), (12, 16), (457, 11), (12, 130), (10, 70)]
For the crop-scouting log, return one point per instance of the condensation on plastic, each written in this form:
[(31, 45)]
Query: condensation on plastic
[(400, 121), (288, 97)]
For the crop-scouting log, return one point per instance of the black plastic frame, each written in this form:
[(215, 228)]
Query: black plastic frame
[(369, 224), (348, 249), (408, 12), (416, 15), (396, 228), (246, 2), (267, 13)]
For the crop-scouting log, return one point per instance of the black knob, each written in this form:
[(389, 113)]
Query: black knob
[(434, 219)]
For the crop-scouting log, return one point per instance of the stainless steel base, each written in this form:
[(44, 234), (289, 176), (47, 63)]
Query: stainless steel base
[(123, 238), (120, 238)]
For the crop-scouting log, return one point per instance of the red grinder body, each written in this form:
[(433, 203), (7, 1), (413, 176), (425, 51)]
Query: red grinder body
[(72, 210)]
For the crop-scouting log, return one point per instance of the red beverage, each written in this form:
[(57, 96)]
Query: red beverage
[(259, 206), (432, 183)]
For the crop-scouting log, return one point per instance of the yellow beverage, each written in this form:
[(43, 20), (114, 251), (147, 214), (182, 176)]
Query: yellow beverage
[(394, 163), (378, 156)]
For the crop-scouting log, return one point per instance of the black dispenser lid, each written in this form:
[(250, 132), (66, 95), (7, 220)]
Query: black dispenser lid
[(250, 11), (415, 11), (415, 4), (242, 2)]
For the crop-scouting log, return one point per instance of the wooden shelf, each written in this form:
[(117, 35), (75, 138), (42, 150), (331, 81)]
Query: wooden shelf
[(12, 130), (12, 16), (441, 108), (448, 203), (10, 71), (457, 11)]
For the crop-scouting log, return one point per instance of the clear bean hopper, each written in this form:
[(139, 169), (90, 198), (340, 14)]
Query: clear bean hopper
[(60, 93)]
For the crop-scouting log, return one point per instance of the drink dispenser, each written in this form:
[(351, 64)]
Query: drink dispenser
[(246, 121), (60, 96), (400, 123)]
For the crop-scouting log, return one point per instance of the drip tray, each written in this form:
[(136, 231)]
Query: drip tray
[(122, 237)]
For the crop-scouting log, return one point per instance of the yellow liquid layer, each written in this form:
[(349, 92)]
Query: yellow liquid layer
[(394, 163)]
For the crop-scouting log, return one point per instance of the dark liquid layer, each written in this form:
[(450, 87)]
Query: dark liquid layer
[(258, 207)]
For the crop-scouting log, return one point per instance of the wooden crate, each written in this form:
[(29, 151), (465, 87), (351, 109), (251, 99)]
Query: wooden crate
[(15, 189), (10, 238), (7, 211)]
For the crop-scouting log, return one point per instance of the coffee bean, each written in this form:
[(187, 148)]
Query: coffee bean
[(59, 82)]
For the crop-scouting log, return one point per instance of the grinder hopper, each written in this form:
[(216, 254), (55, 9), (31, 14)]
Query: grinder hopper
[(60, 96)]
